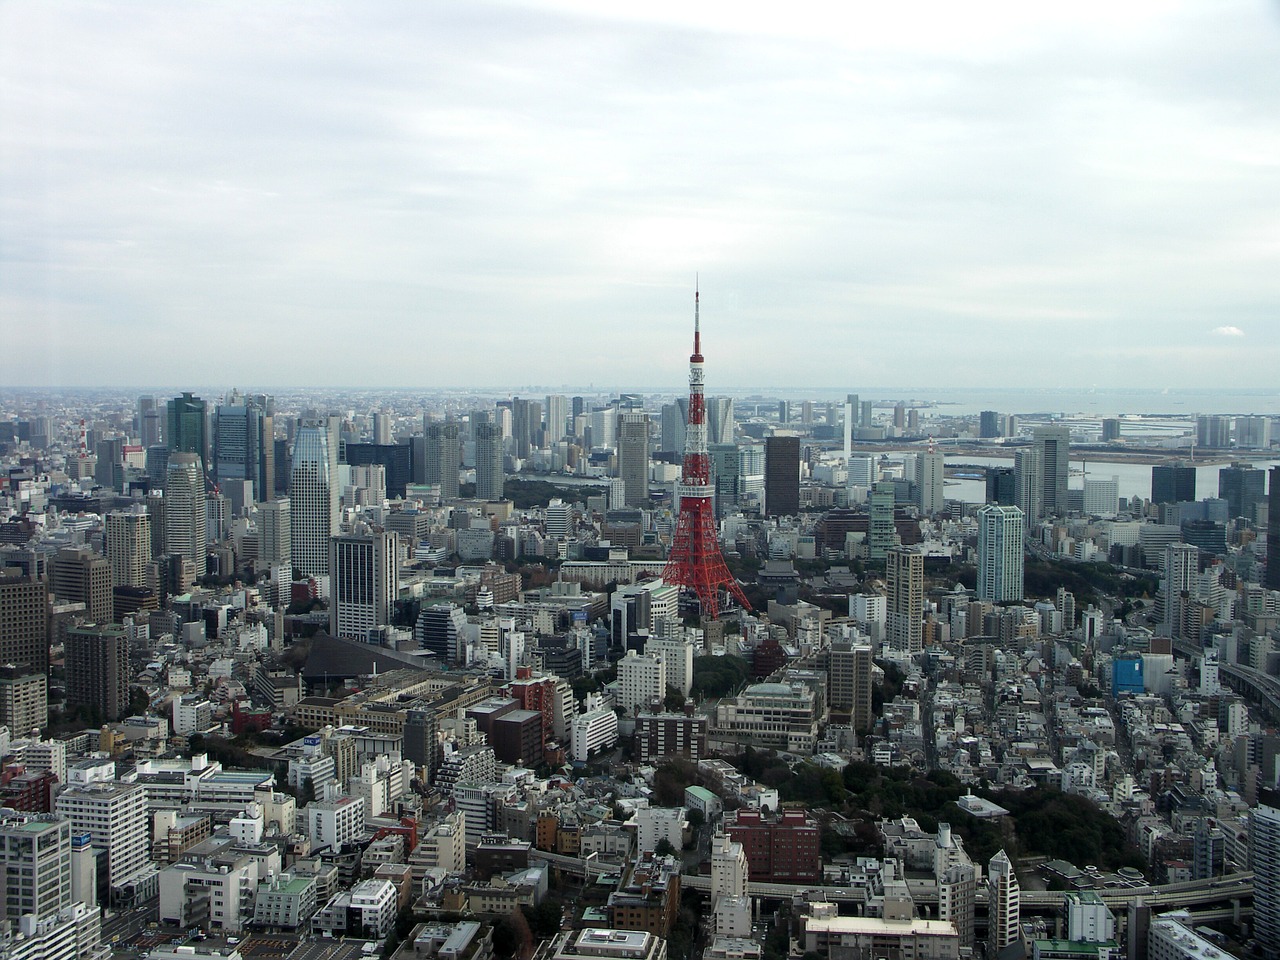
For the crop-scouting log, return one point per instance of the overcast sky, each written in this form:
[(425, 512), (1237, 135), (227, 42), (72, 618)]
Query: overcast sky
[(486, 194)]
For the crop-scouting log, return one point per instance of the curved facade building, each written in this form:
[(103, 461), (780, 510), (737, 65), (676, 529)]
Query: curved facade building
[(313, 502), (184, 510)]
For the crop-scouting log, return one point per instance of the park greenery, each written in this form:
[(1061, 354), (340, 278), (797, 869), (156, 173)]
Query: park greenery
[(718, 676), (1043, 821)]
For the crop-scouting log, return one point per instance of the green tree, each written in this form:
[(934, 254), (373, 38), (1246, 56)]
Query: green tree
[(663, 848), (674, 700)]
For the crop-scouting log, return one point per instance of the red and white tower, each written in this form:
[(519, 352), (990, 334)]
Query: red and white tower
[(695, 562)]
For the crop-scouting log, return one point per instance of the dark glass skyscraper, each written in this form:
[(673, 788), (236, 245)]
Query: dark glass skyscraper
[(186, 431), (1272, 579), (782, 476), (1173, 483)]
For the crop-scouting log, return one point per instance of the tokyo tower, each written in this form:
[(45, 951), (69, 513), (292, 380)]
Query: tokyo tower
[(695, 562)]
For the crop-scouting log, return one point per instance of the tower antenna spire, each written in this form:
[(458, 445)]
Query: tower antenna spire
[(697, 327), (695, 562)]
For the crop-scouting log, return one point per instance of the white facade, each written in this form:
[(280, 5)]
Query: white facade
[(1000, 553), (115, 817), (677, 656), (331, 823), (592, 732), (1004, 902), (641, 681), (1101, 497), (929, 482), (192, 714), (226, 888), (655, 824), (728, 871), (1088, 918), (184, 510)]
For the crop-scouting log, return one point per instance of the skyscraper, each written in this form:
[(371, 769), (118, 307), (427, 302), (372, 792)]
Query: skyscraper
[(1004, 903), (1243, 486), (1264, 860), (1213, 432), (1181, 566), (849, 682), (782, 476), (185, 426), (1000, 553), (98, 669), (274, 531), (988, 424), (671, 436), (557, 414), (313, 501), (128, 547), (115, 815), (443, 457), (633, 457), (363, 583), (882, 533), (930, 497), (526, 426), (720, 423), (851, 413), (1173, 483), (184, 510), (24, 619), (150, 422), (724, 477), (78, 575), (1053, 449), (1028, 487), (244, 443), (1272, 578), (904, 576), (489, 475)]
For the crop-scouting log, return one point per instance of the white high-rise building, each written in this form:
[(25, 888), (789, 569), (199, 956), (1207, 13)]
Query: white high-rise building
[(363, 572), (184, 510), (556, 409), (728, 869), (313, 501), (641, 680), (1000, 553), (1004, 903), (1089, 920), (128, 547), (115, 817), (677, 656), (929, 482), (1181, 567), (1102, 497), (1264, 861), (862, 472)]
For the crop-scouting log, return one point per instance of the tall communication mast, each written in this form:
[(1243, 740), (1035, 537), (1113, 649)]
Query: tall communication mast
[(696, 562)]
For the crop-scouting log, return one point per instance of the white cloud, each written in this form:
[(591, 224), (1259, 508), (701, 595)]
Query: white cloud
[(1228, 331), (484, 193)]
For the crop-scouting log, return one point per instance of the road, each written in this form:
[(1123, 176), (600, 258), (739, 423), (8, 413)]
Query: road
[(128, 924)]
